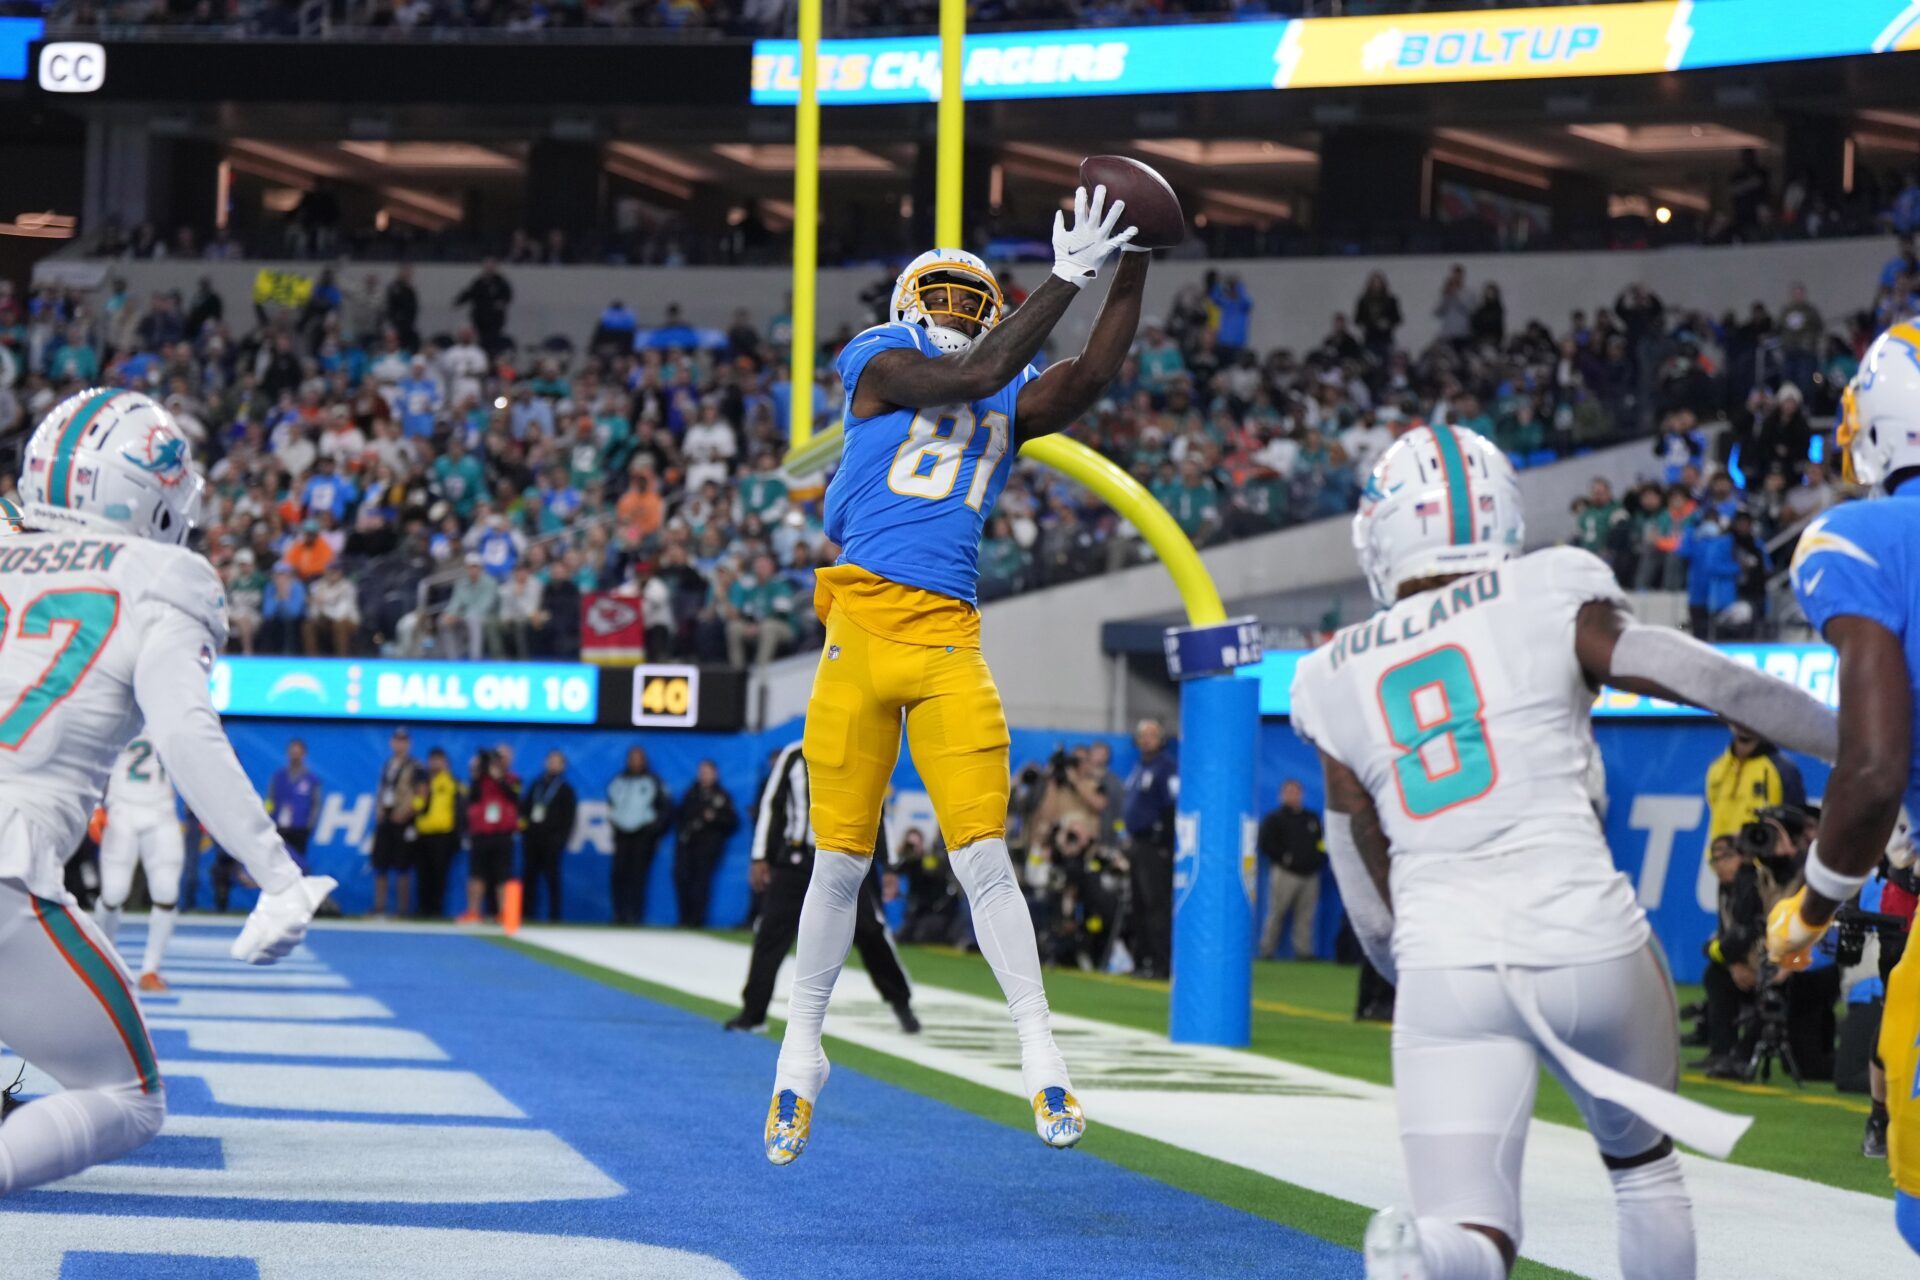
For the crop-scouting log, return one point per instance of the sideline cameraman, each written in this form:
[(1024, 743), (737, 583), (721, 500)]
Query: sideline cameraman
[(1776, 842), (1731, 975)]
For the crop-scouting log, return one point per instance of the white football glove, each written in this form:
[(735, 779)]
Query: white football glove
[(279, 920), (1900, 843), (1079, 250)]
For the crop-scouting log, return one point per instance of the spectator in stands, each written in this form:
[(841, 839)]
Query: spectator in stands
[(759, 611), (1235, 311), (487, 297), (493, 816), (392, 858), (1802, 333), (470, 611), (283, 605), (1600, 526), (1377, 315), (639, 812), (293, 798), (1784, 437), (1453, 310), (1291, 841), (521, 615), (333, 612), (706, 818), (246, 598)]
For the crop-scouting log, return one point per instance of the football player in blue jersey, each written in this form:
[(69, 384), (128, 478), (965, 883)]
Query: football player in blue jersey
[(938, 401), (1857, 575)]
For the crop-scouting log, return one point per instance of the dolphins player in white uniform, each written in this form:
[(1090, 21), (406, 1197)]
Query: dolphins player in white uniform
[(1455, 732), (143, 829), (107, 621)]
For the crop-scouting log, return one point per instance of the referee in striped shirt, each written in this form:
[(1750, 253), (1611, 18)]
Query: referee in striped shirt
[(782, 865)]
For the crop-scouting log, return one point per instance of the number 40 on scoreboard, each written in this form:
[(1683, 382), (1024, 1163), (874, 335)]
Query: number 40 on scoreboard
[(666, 696)]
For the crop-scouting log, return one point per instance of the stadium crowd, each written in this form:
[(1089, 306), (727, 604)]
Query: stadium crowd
[(359, 467)]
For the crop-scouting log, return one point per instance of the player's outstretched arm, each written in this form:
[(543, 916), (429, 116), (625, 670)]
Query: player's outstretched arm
[(170, 686), (1069, 388), (1357, 850), (1613, 648), (909, 380), (1869, 776)]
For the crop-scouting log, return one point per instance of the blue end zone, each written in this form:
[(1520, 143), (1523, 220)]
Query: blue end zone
[(670, 1107), (1906, 1216)]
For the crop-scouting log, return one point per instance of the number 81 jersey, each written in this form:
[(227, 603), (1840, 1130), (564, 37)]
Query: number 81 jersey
[(1466, 714), (915, 486), (78, 612)]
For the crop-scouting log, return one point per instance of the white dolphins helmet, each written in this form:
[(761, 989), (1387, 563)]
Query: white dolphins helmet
[(965, 278), (111, 460), (1443, 500), (1879, 430)]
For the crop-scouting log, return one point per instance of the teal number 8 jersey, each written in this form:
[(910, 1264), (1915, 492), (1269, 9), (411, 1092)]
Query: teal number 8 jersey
[(914, 486), (1433, 710)]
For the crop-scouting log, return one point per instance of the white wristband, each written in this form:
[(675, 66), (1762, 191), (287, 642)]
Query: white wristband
[(1827, 882)]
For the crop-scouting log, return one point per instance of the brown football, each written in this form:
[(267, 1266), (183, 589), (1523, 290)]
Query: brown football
[(1151, 204)]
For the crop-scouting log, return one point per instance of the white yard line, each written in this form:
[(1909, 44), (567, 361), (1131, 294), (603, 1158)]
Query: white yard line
[(1314, 1129)]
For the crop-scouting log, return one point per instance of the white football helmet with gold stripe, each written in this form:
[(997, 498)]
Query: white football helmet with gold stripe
[(943, 284), (1879, 430)]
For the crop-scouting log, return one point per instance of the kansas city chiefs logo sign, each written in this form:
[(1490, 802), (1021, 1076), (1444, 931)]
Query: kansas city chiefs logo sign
[(609, 615)]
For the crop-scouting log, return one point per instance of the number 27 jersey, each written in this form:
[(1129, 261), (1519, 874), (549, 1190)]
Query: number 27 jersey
[(915, 486), (1465, 713)]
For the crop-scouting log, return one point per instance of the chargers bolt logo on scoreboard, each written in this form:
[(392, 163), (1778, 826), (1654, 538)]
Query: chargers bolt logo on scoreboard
[(72, 66)]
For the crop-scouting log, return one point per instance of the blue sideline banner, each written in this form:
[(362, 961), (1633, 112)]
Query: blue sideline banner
[(1656, 822), (383, 689), (347, 758)]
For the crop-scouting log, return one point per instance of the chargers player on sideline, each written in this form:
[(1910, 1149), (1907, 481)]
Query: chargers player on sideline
[(1856, 572), (938, 402), (143, 828), (1455, 733), (106, 620)]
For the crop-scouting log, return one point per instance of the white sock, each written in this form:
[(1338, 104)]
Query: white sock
[(1656, 1220), (160, 922), (826, 934), (108, 918), (1452, 1252), (1004, 929), (63, 1133)]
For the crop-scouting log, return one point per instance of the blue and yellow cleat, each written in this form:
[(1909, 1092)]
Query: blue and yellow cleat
[(789, 1120), (1057, 1118)]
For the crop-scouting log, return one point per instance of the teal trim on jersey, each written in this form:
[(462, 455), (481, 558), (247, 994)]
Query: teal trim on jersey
[(93, 613), (59, 480), (94, 969), (1459, 494)]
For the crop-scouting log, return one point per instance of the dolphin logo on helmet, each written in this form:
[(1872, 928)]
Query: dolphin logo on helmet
[(970, 293), (113, 460)]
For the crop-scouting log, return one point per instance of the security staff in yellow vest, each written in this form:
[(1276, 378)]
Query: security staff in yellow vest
[(1751, 775), (436, 807)]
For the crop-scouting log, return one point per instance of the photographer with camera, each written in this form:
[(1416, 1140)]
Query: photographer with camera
[(1732, 974), (1086, 892), (1792, 1016)]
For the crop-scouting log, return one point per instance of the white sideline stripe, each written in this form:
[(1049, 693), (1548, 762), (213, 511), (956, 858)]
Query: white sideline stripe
[(36, 1244), (279, 1006), (386, 1091), (1329, 1133), (351, 1162), (257, 980), (259, 1038)]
